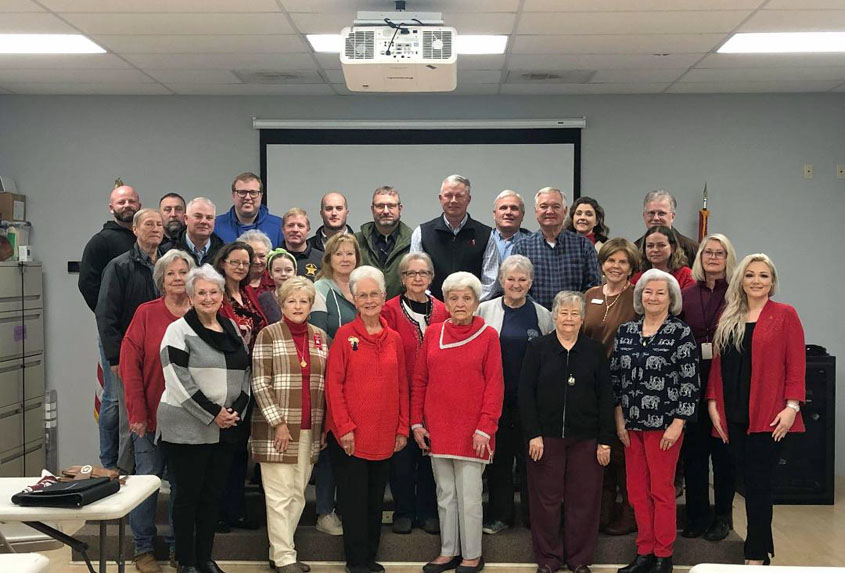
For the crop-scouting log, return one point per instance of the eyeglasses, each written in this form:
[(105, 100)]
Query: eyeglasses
[(242, 264), (653, 214), (243, 193), (383, 206), (416, 274), (715, 254), (369, 295)]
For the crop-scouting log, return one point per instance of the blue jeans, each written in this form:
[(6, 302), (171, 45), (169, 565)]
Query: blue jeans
[(324, 483), (109, 416), (149, 460)]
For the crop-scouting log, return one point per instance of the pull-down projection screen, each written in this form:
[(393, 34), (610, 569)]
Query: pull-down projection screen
[(299, 165)]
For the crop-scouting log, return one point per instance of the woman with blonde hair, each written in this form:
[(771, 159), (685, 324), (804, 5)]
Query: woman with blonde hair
[(756, 388)]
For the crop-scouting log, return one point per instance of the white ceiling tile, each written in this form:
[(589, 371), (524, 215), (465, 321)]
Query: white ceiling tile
[(637, 76), (617, 44), (466, 23), (631, 22), (65, 76), (643, 5), (322, 23), (413, 6), (476, 89), (751, 87), (213, 44), (62, 61), (765, 74), (795, 21), (488, 62), (481, 23), (328, 61), (589, 62), (194, 76), (335, 76), (839, 88), (127, 6), (771, 60), (223, 61), (19, 6), (804, 5), (250, 89), (479, 76), (180, 24), (549, 89), (87, 89), (32, 23)]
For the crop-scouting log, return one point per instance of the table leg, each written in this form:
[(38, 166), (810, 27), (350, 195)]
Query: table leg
[(103, 536), (121, 565)]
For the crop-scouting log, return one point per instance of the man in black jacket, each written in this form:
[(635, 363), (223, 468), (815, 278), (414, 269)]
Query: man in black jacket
[(127, 284), (115, 238), (198, 238), (333, 211)]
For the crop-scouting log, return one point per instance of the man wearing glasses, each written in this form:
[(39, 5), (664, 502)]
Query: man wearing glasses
[(247, 212), (386, 239), (659, 209)]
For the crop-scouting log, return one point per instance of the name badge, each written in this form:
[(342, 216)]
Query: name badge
[(597, 301), (707, 351)]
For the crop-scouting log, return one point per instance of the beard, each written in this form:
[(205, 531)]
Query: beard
[(126, 214), (173, 228)]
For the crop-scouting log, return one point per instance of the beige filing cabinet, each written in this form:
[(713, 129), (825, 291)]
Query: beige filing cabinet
[(22, 444)]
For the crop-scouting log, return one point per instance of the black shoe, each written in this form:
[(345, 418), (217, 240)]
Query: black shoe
[(471, 568), (431, 525), (641, 564), (440, 567), (244, 523), (693, 530), (718, 530), (222, 527), (375, 567), (402, 525), (209, 567), (662, 565), (187, 569)]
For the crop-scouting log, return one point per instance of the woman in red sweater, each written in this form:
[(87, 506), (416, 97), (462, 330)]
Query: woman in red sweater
[(661, 250), (143, 379), (367, 416), (456, 401), (756, 388), (410, 314)]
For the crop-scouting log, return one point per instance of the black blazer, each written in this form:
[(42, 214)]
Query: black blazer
[(553, 408)]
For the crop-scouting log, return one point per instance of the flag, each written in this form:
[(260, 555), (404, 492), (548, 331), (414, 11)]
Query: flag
[(98, 392), (703, 215)]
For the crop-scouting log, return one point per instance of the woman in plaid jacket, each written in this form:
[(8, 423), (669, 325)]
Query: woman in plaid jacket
[(288, 365)]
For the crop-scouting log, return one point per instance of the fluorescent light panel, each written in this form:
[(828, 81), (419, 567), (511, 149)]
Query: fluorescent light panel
[(785, 43), (47, 44), (333, 43)]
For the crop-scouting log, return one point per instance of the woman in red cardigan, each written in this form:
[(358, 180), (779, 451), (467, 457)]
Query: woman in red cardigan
[(367, 417), (456, 401), (143, 379), (410, 314), (756, 388)]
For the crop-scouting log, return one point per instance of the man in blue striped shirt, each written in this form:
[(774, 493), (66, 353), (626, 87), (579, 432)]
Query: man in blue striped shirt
[(562, 260)]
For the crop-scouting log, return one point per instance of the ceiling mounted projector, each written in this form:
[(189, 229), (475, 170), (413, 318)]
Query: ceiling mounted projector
[(399, 52)]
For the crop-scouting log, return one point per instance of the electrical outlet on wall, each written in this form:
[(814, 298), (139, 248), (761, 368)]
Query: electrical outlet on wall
[(840, 171), (808, 171)]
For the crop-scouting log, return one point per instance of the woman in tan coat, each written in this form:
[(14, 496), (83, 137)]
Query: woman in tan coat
[(288, 365)]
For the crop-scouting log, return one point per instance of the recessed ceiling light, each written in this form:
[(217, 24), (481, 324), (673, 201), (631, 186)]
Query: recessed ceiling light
[(47, 44), (785, 43), (332, 44)]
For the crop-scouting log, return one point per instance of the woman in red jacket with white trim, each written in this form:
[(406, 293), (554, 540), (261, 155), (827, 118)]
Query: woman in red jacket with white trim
[(456, 401), (756, 388)]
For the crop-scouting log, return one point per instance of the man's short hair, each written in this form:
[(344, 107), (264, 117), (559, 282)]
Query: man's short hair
[(659, 194), (196, 200), (171, 196), (545, 190), (508, 193), (142, 214), (323, 199), (455, 178), (248, 176), (386, 190), (295, 212)]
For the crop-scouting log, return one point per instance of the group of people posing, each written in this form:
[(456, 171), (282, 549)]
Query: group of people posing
[(422, 358)]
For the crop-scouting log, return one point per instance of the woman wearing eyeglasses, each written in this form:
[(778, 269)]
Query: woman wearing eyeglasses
[(409, 314)]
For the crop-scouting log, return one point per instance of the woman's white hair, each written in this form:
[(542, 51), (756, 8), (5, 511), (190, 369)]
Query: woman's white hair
[(676, 304), (519, 263), (462, 280), (566, 297), (164, 261), (205, 273), (366, 272), (256, 236), (406, 261)]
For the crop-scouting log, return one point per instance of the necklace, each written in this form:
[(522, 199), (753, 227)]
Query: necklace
[(301, 357), (608, 305)]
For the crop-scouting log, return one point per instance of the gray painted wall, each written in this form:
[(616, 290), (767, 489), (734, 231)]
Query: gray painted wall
[(64, 153)]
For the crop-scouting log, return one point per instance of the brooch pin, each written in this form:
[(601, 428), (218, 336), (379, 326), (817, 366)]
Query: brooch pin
[(354, 342), (318, 340), (571, 380)]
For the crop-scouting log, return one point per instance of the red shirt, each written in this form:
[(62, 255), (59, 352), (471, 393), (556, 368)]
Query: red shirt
[(140, 361), (408, 329), (683, 275), (367, 389), (299, 333)]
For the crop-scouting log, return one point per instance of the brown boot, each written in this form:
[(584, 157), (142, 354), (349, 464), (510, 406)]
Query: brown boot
[(624, 524)]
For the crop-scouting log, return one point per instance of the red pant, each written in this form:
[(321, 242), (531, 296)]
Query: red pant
[(651, 490)]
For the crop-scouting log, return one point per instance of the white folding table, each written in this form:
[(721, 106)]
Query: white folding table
[(112, 508)]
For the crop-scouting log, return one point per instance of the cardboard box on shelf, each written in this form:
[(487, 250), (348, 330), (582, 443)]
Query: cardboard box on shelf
[(12, 207)]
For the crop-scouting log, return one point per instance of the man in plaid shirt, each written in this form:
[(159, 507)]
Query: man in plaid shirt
[(562, 260)]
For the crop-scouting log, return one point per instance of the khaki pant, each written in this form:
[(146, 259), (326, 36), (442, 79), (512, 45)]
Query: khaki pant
[(284, 493)]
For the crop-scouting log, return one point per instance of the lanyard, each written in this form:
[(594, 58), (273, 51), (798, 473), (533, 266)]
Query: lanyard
[(709, 321)]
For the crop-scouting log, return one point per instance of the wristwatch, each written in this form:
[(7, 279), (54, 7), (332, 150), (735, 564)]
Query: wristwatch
[(795, 407)]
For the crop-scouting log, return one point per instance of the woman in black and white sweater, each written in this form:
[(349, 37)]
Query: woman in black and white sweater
[(196, 415)]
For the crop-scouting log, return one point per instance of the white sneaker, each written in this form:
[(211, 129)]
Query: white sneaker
[(330, 523)]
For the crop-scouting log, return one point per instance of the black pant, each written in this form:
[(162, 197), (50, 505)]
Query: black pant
[(698, 448), (412, 484), (199, 472), (510, 445), (233, 496), (756, 457), (360, 495)]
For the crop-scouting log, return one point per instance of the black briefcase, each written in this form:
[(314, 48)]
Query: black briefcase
[(68, 494)]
